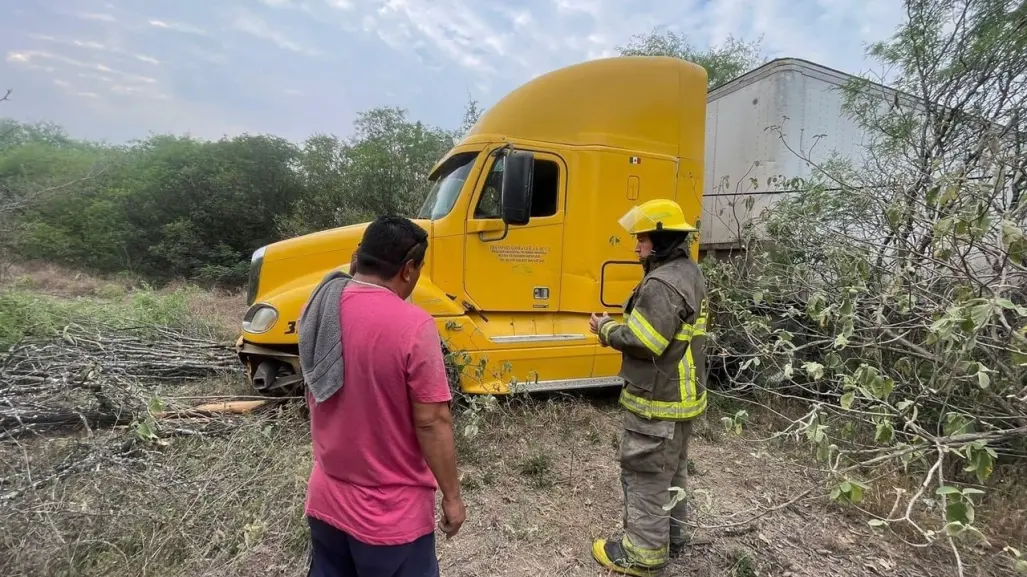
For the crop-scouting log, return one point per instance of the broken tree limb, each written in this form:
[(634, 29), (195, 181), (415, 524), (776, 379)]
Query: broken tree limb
[(97, 377)]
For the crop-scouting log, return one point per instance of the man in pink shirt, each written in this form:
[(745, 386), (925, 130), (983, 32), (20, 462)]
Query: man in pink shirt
[(380, 416)]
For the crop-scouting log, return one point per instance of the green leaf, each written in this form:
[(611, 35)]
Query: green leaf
[(856, 494), (1013, 239), (894, 215), (983, 380), (962, 226), (885, 432), (980, 314), (1020, 566), (865, 374), (944, 226), (678, 495), (840, 341), (959, 512), (846, 308), (728, 423), (980, 225), (884, 387), (950, 194), (981, 464), (956, 424), (847, 399), (816, 432), (824, 450), (814, 370), (932, 196), (145, 431), (847, 327), (954, 528), (904, 366), (947, 490), (1006, 304), (877, 523), (815, 305)]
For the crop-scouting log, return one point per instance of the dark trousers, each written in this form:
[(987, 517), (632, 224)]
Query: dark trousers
[(337, 554)]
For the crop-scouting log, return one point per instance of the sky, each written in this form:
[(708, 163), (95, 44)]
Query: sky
[(121, 70)]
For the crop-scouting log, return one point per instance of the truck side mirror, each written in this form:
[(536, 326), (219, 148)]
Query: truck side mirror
[(517, 181)]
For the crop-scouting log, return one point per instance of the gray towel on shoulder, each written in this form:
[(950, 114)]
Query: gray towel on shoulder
[(320, 337)]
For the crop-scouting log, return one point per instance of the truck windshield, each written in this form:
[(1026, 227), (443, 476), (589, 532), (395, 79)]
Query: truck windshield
[(446, 189)]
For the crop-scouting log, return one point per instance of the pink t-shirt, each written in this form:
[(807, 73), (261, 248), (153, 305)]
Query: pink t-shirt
[(370, 478)]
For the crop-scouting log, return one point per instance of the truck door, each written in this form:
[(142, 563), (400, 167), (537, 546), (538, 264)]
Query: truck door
[(521, 271)]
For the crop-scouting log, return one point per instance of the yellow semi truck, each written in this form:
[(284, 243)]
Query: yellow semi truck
[(524, 241)]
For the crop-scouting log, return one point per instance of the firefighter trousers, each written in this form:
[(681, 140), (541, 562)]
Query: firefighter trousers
[(653, 458)]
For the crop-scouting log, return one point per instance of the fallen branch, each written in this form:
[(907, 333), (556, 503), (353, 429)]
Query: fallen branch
[(97, 377)]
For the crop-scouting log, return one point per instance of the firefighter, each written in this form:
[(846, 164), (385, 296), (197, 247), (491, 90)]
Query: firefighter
[(662, 342)]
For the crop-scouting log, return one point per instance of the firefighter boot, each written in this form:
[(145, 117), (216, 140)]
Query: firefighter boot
[(611, 555)]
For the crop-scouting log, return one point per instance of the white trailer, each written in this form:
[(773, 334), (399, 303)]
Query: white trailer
[(761, 125)]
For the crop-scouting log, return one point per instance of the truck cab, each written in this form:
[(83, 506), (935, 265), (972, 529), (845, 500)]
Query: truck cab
[(522, 217)]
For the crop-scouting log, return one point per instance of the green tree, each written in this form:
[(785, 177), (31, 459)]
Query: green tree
[(382, 168), (891, 291), (198, 209), (471, 115), (722, 63), (39, 166)]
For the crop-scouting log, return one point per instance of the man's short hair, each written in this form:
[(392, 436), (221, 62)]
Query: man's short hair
[(388, 243)]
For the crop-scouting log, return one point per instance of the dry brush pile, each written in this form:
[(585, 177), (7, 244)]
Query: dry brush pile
[(888, 300), (103, 469), (97, 377)]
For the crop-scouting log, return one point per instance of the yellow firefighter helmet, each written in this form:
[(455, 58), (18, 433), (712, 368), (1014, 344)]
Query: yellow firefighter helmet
[(659, 214)]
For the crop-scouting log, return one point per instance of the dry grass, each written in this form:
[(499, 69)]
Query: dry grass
[(53, 280), (229, 504), (225, 497), (220, 312), (540, 482)]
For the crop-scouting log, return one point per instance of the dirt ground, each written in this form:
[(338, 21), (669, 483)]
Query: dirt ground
[(543, 489)]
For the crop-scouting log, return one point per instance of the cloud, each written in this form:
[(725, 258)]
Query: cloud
[(258, 28), (94, 45), (97, 16), (451, 26), (228, 66), (32, 55), (593, 8), (177, 27)]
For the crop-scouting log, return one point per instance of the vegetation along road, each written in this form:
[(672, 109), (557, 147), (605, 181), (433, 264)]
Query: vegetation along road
[(869, 409)]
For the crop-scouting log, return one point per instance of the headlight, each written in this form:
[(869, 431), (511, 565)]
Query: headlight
[(259, 319)]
